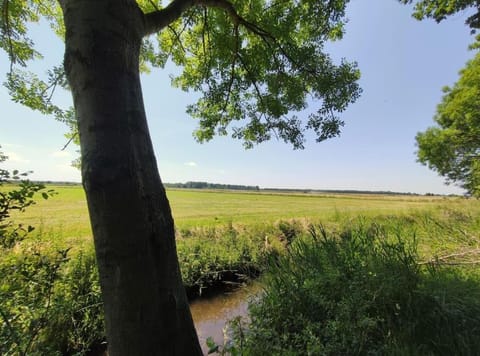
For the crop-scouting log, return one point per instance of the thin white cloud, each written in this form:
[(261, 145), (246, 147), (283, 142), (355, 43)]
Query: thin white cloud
[(190, 164), (15, 157)]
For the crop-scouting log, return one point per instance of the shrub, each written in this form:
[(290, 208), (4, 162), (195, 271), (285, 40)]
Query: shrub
[(77, 324), (27, 301)]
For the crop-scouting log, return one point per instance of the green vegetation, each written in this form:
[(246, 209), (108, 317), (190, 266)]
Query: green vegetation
[(209, 255), (452, 146), (365, 290), (439, 10), (379, 275), (48, 305)]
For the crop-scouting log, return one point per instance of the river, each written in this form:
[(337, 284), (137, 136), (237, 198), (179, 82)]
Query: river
[(211, 314)]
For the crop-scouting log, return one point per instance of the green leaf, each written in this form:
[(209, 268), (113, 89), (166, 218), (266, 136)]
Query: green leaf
[(212, 345)]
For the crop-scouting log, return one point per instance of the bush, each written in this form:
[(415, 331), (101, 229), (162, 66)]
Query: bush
[(77, 324), (27, 301), (362, 292), (48, 304)]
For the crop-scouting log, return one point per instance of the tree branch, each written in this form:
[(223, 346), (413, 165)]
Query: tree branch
[(206, 42), (157, 20), (265, 35), (6, 31), (232, 69), (253, 81), (225, 5), (69, 141), (177, 37), (236, 18)]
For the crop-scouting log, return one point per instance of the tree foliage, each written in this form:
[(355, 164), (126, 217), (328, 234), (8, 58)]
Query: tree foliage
[(257, 64), (439, 10), (452, 148)]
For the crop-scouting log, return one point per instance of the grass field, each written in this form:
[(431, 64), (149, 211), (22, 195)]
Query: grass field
[(64, 217)]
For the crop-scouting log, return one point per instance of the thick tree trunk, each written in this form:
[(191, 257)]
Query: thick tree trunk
[(146, 309)]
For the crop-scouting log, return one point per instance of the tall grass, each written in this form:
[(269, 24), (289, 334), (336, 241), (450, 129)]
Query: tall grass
[(365, 290)]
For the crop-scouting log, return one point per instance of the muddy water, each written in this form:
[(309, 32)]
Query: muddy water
[(211, 314)]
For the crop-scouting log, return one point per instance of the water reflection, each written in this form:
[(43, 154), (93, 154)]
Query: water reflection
[(211, 314)]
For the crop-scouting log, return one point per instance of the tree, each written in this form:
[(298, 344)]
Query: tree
[(256, 63), (453, 147), (439, 10)]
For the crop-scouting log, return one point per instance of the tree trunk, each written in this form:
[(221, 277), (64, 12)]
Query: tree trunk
[(146, 309)]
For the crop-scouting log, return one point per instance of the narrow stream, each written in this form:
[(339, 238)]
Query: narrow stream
[(211, 314)]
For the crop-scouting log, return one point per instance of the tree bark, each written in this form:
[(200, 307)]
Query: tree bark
[(146, 309)]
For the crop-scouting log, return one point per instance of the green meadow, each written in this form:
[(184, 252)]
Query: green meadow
[(64, 217)]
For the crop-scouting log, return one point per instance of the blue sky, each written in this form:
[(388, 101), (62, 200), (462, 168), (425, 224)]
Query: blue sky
[(404, 65)]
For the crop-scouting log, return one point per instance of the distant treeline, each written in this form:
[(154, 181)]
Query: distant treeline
[(206, 185), (57, 182), (339, 191)]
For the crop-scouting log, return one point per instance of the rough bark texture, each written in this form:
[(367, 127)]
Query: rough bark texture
[(146, 308)]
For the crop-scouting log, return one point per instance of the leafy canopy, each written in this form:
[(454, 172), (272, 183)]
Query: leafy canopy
[(439, 10), (258, 64), (452, 148)]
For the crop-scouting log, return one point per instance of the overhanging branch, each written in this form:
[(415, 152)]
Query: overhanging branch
[(232, 12), (157, 20), (7, 32)]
